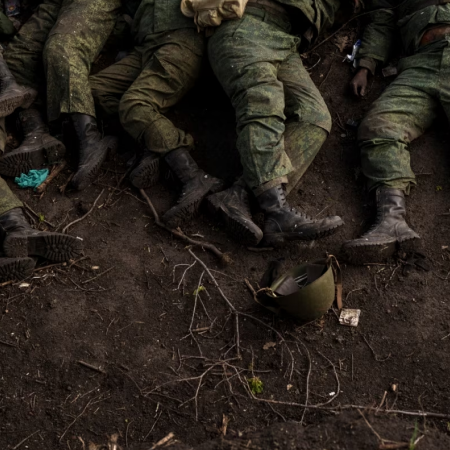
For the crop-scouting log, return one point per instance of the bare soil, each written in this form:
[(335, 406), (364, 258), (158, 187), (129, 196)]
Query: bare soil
[(132, 322)]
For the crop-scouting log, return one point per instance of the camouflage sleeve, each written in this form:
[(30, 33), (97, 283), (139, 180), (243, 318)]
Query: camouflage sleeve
[(379, 34)]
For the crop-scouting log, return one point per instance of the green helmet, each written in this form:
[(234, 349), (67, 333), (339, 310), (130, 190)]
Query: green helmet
[(306, 292)]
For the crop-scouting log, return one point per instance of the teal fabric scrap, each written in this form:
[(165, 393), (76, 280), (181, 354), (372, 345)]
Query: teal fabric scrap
[(33, 179)]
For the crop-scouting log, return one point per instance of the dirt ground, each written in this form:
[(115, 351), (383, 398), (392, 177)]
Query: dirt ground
[(126, 310)]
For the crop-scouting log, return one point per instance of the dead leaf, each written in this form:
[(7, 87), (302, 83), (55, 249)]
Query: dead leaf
[(223, 428), (289, 387), (268, 345)]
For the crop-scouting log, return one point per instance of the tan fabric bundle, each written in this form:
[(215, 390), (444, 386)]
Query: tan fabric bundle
[(210, 13)]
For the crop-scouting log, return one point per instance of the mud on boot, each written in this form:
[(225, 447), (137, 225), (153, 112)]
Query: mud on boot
[(388, 233), (21, 240), (16, 268), (12, 95), (196, 185), (38, 148), (93, 149), (284, 224), (146, 172), (232, 207)]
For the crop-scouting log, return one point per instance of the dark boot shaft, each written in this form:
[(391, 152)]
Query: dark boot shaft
[(182, 164), (33, 125), (388, 232), (283, 223), (196, 185), (93, 149), (86, 130), (14, 221)]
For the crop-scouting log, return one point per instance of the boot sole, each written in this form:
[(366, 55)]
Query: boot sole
[(182, 213), (238, 229), (15, 163), (51, 246), (146, 176), (372, 254), (82, 180), (15, 268), (280, 239), (9, 105)]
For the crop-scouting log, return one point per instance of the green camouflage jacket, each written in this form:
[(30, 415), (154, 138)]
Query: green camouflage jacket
[(396, 21), (156, 16)]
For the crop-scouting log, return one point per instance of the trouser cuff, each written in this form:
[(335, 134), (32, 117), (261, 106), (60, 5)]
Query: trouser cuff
[(269, 185)]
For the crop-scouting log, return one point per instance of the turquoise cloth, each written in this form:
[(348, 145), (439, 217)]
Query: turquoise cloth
[(34, 178)]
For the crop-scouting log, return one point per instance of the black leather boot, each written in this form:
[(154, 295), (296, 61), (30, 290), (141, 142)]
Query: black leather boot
[(146, 172), (93, 149), (196, 185), (12, 95), (38, 147), (232, 206), (16, 268), (284, 224), (20, 240), (389, 230)]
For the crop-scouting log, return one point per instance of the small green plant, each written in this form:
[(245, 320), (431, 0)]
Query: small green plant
[(41, 217), (256, 385), (413, 440), (439, 188), (198, 290)]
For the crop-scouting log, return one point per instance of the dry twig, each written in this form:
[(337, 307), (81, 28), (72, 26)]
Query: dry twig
[(54, 173), (180, 235), (64, 230)]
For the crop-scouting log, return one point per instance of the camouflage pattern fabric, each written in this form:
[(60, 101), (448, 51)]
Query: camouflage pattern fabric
[(394, 21), (404, 111), (8, 200), (24, 54), (257, 62), (68, 35), (146, 83)]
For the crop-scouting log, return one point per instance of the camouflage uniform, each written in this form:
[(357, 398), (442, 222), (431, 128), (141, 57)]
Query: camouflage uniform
[(67, 35), (282, 119), (411, 102), (156, 75)]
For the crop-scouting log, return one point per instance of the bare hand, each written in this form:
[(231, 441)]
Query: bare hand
[(360, 82)]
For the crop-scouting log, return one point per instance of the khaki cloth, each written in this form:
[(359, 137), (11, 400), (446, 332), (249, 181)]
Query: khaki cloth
[(211, 13)]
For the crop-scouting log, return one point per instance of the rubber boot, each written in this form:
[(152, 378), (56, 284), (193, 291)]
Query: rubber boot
[(16, 268), (38, 148), (388, 232), (20, 240), (146, 172), (93, 149), (232, 207), (196, 185), (12, 95), (284, 224)]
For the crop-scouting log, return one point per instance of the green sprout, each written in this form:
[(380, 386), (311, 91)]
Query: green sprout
[(256, 385)]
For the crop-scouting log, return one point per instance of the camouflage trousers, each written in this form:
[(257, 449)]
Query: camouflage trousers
[(154, 77), (282, 120), (405, 110), (56, 48), (8, 200)]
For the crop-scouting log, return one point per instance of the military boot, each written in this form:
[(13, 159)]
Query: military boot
[(20, 240), (146, 172), (232, 206), (284, 224), (196, 185), (387, 232), (12, 95), (16, 268), (38, 148), (93, 149)]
